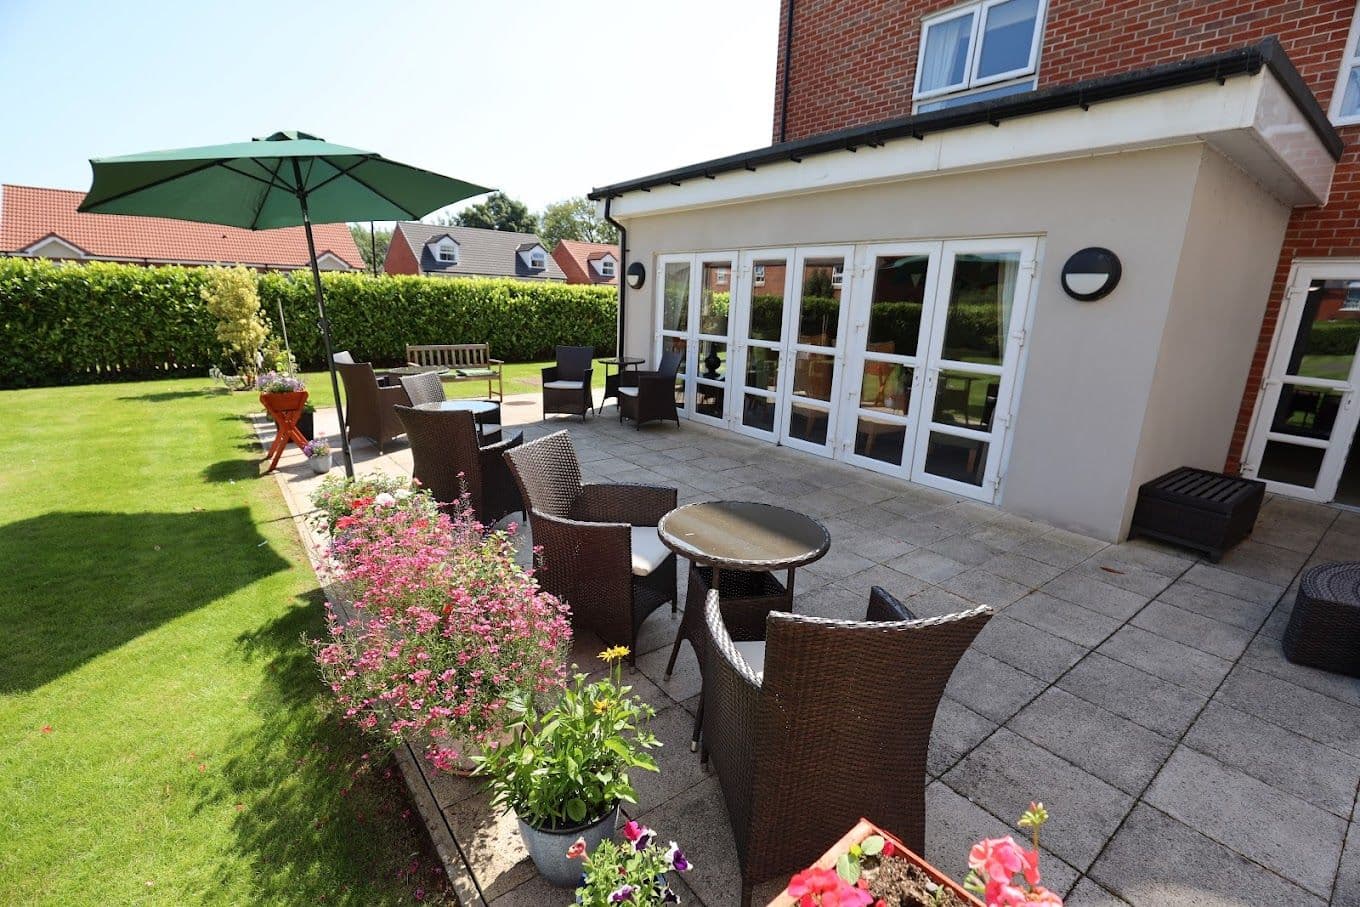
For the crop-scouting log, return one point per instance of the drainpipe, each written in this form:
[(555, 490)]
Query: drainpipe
[(784, 92), (621, 275)]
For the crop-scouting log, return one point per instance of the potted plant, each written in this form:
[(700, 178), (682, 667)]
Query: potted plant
[(281, 393), (634, 872), (564, 770), (307, 421), (450, 627), (869, 867), (340, 497), (318, 454)]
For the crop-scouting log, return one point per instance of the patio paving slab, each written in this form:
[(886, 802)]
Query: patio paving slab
[(991, 688), (1346, 891), (1036, 652), (1156, 861), (1234, 584), (1089, 894), (1304, 711), (957, 730), (1164, 658), (985, 588), (1091, 592), (1278, 830), (1156, 704), (1063, 618), (1266, 654), (1187, 628), (1240, 613), (1020, 569)]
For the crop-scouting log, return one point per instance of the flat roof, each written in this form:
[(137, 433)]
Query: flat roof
[(1246, 61)]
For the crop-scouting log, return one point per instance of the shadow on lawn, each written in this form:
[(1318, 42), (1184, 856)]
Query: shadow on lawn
[(76, 585), (336, 824), (171, 396), (233, 470)]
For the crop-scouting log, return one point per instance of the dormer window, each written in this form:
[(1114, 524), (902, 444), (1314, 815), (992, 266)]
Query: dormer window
[(446, 252), (537, 260), (606, 267)]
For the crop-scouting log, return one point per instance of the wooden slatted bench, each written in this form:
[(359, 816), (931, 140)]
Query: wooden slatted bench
[(1203, 510), (464, 362)]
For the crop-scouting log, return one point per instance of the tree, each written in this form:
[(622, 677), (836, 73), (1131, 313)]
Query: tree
[(232, 298), (574, 218), (383, 238), (498, 212)]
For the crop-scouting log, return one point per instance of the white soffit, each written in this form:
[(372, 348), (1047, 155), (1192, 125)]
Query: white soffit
[(1251, 120)]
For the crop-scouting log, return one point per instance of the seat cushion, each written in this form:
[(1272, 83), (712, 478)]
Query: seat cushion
[(565, 385), (648, 551), (628, 391), (476, 373), (754, 655)]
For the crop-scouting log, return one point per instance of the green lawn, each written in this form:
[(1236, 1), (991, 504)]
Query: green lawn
[(517, 378), (163, 737)]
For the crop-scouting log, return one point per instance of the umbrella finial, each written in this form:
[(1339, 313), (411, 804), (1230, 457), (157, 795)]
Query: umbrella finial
[(290, 135)]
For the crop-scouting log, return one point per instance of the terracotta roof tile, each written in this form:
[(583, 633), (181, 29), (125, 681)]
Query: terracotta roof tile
[(575, 257), (29, 214)]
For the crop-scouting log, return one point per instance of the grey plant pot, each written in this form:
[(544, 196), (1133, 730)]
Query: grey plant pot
[(549, 848), (320, 465)]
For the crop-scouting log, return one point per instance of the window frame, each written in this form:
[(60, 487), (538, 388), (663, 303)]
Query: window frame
[(538, 260), (979, 11), (442, 247), (607, 267), (1350, 59)]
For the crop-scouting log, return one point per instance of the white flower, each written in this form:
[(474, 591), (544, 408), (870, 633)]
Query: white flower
[(402, 494), (384, 500)]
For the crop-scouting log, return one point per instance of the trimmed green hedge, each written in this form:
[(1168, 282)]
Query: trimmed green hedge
[(64, 323), (1333, 338)]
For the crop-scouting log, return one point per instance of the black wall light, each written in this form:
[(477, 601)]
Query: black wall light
[(1091, 274), (636, 275)]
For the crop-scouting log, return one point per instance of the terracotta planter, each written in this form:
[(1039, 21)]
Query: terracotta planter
[(282, 403), (863, 829)]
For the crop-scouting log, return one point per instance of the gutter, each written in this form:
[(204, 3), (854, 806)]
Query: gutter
[(1250, 60), (623, 272)]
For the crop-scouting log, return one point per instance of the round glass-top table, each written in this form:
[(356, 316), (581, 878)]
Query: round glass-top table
[(476, 407)]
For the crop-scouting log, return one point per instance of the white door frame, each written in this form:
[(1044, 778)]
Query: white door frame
[(745, 290), (845, 252), (691, 335), (1337, 444), (857, 355), (1006, 373)]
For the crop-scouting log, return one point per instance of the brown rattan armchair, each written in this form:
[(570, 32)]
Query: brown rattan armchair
[(566, 385), (649, 396), (426, 388), (448, 456), (369, 405), (596, 546), (824, 722)]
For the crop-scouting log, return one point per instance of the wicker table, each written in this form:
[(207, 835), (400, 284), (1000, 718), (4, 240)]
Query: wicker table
[(484, 413), (611, 382), (1324, 628), (736, 547)]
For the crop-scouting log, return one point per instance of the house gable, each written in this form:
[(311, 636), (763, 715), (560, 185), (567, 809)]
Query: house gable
[(53, 246)]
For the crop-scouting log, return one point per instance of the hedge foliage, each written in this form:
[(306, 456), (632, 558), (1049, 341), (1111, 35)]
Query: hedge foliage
[(66, 323), (1333, 338)]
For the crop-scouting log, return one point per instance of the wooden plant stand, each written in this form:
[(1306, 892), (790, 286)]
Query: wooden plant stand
[(285, 410)]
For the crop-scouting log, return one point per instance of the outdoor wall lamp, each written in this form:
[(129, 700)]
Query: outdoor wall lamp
[(1091, 273), (636, 275)]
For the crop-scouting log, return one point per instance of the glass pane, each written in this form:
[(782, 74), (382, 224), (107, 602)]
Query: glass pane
[(1007, 36), (762, 368), (965, 399), (675, 296), (813, 374), (880, 440), (886, 387), (758, 412), (708, 400), (1350, 99), (819, 309), (972, 97), (980, 300), (715, 298), (807, 423), (712, 360), (1292, 464), (768, 280), (1328, 331), (675, 344), (895, 308), (960, 459), (1306, 412), (946, 58)]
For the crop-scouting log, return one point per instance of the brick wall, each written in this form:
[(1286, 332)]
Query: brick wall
[(854, 62), (400, 259)]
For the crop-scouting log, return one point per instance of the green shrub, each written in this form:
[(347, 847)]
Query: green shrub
[(1333, 338), (66, 323)]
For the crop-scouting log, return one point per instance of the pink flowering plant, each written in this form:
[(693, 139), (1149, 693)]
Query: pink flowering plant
[(634, 871), (449, 627), (1005, 874), (339, 497)]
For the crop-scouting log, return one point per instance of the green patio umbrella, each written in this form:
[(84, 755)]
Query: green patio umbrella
[(287, 179)]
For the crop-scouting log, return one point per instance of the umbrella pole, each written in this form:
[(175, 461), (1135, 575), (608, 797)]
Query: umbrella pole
[(324, 324)]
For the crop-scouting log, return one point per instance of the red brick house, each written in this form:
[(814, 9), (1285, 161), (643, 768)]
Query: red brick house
[(947, 162), (588, 262), (44, 223)]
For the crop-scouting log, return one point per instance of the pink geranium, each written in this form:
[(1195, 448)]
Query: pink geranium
[(995, 862)]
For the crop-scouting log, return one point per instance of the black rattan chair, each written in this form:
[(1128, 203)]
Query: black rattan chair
[(449, 457), (566, 385), (369, 405), (426, 388), (596, 546), (649, 396), (823, 722)]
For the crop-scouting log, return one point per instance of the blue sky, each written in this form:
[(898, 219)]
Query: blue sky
[(522, 95)]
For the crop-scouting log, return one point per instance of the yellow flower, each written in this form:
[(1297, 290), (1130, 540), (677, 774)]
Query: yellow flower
[(602, 706), (614, 653)]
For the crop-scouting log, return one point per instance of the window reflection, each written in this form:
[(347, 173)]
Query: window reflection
[(1328, 332), (715, 298), (886, 387), (675, 296), (965, 399), (960, 459), (767, 299), (981, 296), (819, 308), (895, 308)]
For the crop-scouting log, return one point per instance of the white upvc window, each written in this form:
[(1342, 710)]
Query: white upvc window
[(537, 260), (606, 267), (759, 275), (1346, 97), (837, 275), (720, 276), (981, 44), (447, 252)]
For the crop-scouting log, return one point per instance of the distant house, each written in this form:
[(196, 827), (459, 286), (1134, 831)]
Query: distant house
[(43, 223), (588, 262), (436, 251)]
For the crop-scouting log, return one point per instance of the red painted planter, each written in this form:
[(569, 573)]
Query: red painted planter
[(863, 829), (285, 410)]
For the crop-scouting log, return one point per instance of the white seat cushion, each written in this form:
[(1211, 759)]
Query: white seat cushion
[(565, 385), (648, 552), (754, 655), (629, 391)]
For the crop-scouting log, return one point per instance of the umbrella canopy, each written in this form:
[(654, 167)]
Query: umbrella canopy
[(286, 179)]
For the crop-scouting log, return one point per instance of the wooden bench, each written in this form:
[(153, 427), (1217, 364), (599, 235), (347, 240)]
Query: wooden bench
[(464, 362)]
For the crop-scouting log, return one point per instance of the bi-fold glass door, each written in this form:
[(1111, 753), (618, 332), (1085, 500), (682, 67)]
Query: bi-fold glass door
[(760, 315), (815, 341), (695, 300)]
